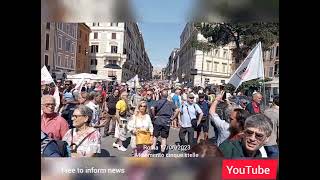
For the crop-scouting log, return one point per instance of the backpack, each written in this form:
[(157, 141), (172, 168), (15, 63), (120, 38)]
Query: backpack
[(62, 146)]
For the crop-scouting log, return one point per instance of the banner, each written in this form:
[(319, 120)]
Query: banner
[(45, 76), (251, 68)]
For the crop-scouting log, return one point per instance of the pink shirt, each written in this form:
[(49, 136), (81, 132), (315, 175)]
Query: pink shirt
[(55, 126)]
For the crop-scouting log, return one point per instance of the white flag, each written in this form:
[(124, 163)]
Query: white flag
[(45, 76), (251, 68), (79, 84), (57, 98)]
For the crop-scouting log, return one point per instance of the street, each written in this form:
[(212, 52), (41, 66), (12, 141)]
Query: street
[(108, 151)]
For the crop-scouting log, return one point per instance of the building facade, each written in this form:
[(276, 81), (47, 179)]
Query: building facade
[(82, 57), (212, 67), (47, 45), (117, 51), (65, 43)]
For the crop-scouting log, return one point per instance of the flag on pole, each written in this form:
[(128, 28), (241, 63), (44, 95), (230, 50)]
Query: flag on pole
[(45, 76), (57, 98), (251, 68)]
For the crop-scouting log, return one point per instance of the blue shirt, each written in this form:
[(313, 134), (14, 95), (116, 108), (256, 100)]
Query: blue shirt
[(193, 110), (176, 101)]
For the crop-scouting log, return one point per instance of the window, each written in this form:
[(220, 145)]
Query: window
[(129, 56), (93, 24), (60, 42), (80, 34), (114, 24), (94, 48), (47, 41), (85, 52), (225, 54), (46, 60), (86, 37), (114, 35), (215, 66), (71, 62), (95, 35), (94, 71), (270, 71), (216, 53), (59, 60), (271, 53), (72, 48), (92, 61), (124, 51), (59, 25), (66, 63), (276, 70), (68, 45), (112, 61), (68, 29), (48, 26), (79, 50), (224, 69), (114, 49), (112, 73), (208, 65), (277, 52)]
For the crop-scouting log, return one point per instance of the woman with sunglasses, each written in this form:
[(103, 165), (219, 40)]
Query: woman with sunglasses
[(84, 140), (140, 121)]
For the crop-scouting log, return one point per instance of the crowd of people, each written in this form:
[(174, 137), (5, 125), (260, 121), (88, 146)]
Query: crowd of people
[(85, 115)]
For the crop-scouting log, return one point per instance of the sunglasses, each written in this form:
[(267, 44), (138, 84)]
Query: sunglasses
[(258, 136), (191, 97)]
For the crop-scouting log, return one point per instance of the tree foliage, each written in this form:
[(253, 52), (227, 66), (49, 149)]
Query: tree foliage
[(245, 86), (243, 35)]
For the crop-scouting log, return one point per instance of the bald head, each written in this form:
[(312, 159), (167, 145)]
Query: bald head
[(257, 97)]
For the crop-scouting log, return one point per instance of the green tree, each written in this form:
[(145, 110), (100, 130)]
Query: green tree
[(244, 35)]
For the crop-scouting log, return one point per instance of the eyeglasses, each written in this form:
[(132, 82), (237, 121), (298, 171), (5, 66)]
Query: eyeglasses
[(258, 136), (49, 104), (76, 116), (149, 94), (143, 106), (191, 97)]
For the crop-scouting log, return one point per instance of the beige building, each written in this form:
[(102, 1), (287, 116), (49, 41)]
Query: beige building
[(117, 51), (82, 57), (212, 67), (47, 45)]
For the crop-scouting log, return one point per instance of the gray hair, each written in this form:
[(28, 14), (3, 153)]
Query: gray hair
[(85, 110), (44, 97), (260, 121), (93, 94)]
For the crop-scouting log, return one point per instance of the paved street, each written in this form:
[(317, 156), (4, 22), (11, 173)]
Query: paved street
[(108, 150)]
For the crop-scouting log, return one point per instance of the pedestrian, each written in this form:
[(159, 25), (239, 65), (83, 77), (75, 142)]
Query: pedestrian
[(176, 99), (164, 112), (85, 141), (52, 124), (83, 98), (150, 102), (135, 99), (140, 123), (48, 146), (273, 113), (121, 121), (257, 130), (254, 106), (111, 102), (95, 99), (204, 124), (189, 120)]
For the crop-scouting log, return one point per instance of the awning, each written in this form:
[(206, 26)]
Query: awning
[(112, 66)]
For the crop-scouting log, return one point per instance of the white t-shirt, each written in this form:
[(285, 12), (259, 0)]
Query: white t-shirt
[(95, 114)]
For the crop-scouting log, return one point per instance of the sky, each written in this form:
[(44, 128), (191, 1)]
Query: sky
[(161, 23)]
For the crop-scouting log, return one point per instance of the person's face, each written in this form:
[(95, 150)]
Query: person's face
[(81, 99), (78, 119), (98, 99), (143, 108), (257, 98), (233, 120), (190, 100), (254, 139), (149, 95), (178, 91), (116, 93), (201, 99), (48, 106), (125, 96)]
